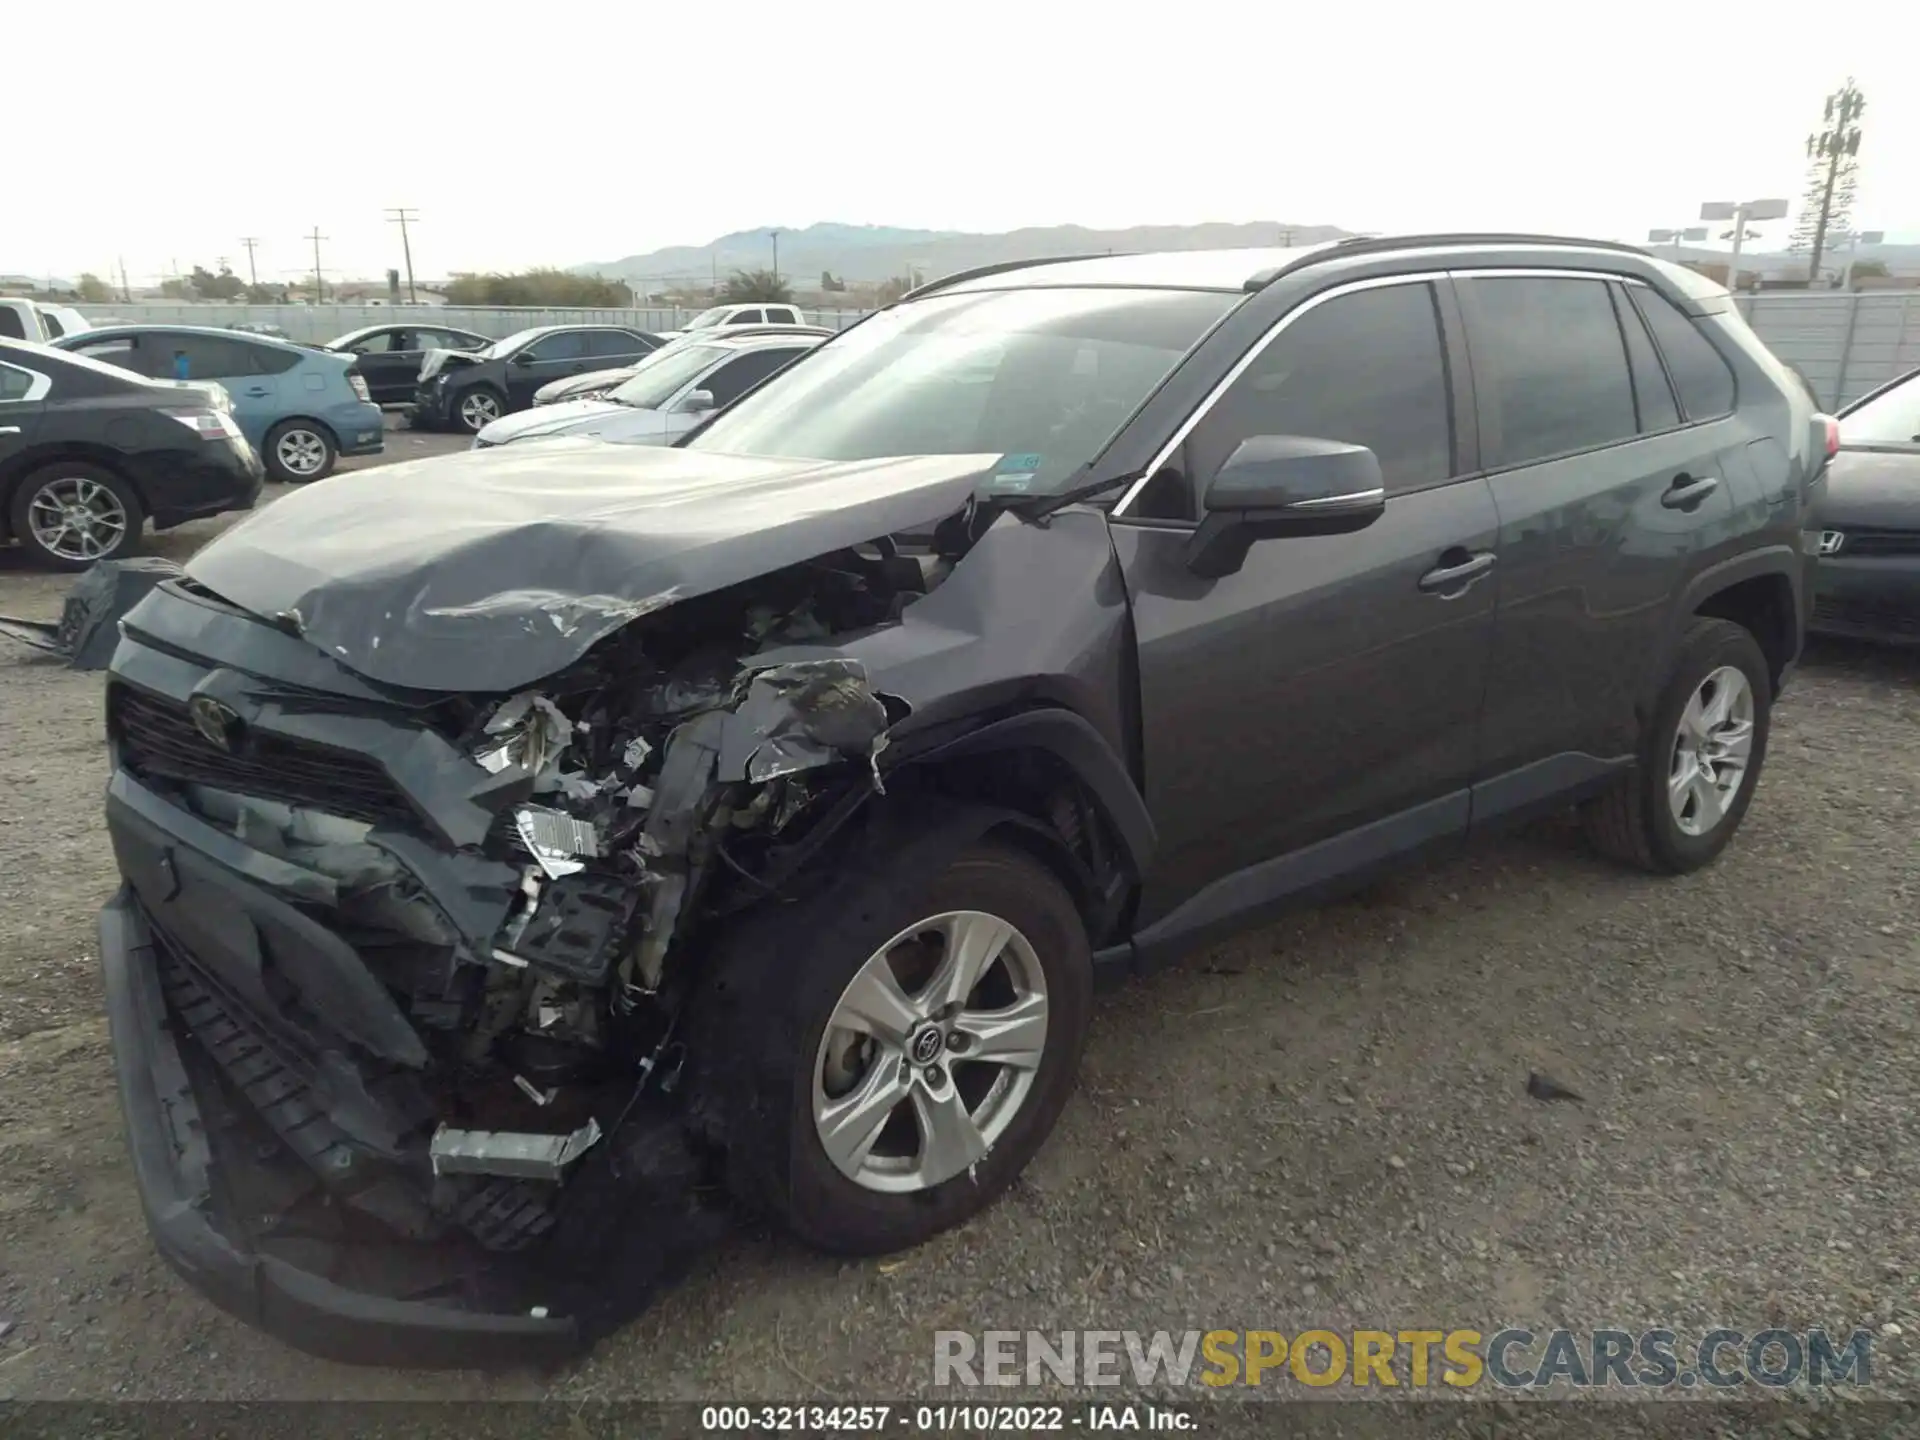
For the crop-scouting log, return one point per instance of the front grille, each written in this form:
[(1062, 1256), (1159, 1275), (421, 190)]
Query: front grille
[(1881, 542), (1877, 615), (159, 740)]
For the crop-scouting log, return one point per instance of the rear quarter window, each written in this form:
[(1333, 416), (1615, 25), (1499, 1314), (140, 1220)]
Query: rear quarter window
[(1700, 373)]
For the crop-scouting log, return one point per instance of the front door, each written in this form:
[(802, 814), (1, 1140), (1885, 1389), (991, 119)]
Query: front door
[(551, 357), (1329, 693), (389, 361)]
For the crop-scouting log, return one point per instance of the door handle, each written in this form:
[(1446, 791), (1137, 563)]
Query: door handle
[(9, 429), (1686, 492), (1458, 575), (258, 394)]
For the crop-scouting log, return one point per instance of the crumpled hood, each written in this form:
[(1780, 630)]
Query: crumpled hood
[(599, 419), (489, 570), (1876, 488)]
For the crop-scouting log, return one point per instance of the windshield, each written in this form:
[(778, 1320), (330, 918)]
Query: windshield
[(512, 343), (658, 381), (1044, 378), (1889, 418)]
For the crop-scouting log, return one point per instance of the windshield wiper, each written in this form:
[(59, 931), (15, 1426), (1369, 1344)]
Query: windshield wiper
[(1038, 507)]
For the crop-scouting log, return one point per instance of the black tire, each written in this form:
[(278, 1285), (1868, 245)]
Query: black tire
[(73, 472), (775, 985), (313, 439), (1633, 822), (458, 408)]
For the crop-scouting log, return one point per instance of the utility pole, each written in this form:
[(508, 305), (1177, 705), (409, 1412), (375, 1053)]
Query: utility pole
[(319, 285), (126, 290), (400, 216), (1834, 149), (775, 236), (253, 276), (1286, 238)]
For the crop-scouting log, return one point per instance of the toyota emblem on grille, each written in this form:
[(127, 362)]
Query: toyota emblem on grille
[(1831, 541), (217, 722)]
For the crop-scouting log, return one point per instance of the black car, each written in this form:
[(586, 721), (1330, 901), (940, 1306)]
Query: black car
[(391, 355), (596, 384), (614, 829), (468, 391), (1868, 585), (89, 453)]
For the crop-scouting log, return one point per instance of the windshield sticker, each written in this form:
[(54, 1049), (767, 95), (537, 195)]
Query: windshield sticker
[(1015, 472)]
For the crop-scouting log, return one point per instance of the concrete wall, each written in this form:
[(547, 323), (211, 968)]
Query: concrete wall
[(1846, 344), (315, 323)]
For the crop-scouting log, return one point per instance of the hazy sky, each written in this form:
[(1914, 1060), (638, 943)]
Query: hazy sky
[(557, 134)]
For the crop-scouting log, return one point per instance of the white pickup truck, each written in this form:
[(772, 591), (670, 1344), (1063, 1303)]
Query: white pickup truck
[(37, 320)]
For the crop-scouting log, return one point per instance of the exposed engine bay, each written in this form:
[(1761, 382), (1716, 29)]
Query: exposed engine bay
[(659, 782)]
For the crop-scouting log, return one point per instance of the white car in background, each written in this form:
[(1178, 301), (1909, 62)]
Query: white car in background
[(22, 319), (753, 312), (665, 397)]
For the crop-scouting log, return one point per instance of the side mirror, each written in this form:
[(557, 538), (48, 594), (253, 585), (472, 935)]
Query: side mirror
[(1275, 485), (698, 402)]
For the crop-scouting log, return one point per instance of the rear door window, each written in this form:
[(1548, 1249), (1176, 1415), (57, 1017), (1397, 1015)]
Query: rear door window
[(1700, 373), (744, 317), (741, 374), (12, 327), (207, 357), (269, 359), (1549, 367), (613, 344)]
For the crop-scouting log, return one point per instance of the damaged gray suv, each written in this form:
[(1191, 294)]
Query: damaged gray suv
[(537, 859)]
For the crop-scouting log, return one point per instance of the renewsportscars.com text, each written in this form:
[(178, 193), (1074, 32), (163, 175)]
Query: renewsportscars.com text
[(1508, 1359)]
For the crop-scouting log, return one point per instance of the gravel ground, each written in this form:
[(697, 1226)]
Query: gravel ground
[(1323, 1123)]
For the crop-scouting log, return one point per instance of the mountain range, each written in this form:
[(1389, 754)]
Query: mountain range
[(881, 252)]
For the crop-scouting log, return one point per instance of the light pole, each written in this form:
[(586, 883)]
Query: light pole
[(1741, 213), (1850, 241), (774, 235), (1690, 235)]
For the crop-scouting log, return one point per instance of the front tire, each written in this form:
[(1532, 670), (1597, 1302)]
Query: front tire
[(298, 451), (1699, 760), (894, 1061), (70, 515), (478, 408)]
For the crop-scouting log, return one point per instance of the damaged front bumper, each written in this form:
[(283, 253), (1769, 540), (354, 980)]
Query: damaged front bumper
[(197, 1165)]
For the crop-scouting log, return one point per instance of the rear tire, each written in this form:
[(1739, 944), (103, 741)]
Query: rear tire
[(297, 451), (1673, 813), (46, 515), (766, 1029)]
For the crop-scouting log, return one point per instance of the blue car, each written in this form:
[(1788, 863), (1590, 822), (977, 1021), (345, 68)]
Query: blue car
[(302, 409)]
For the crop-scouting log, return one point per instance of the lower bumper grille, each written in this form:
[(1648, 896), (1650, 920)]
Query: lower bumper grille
[(1877, 615), (160, 741)]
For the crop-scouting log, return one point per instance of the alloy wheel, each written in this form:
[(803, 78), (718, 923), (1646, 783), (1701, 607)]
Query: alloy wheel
[(1710, 751), (301, 452), (479, 410), (77, 518), (930, 1052)]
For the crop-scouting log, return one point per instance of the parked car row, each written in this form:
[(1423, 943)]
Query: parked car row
[(595, 384), (22, 319)]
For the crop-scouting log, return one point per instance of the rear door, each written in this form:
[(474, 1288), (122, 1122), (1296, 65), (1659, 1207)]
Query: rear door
[(1604, 491), (1328, 694), (230, 360), (612, 349)]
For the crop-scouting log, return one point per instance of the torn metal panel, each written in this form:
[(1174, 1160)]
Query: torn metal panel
[(802, 715), (556, 839), (511, 1154), (89, 626), (398, 575)]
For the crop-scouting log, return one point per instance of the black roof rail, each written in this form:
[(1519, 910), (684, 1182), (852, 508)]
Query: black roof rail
[(999, 267), (1374, 244)]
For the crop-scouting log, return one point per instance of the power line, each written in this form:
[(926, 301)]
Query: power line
[(400, 215), (319, 284), (253, 275)]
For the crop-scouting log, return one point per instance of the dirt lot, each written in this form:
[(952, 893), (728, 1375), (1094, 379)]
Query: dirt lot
[(1321, 1123)]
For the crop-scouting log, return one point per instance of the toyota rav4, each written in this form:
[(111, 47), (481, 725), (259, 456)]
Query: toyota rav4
[(538, 857)]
